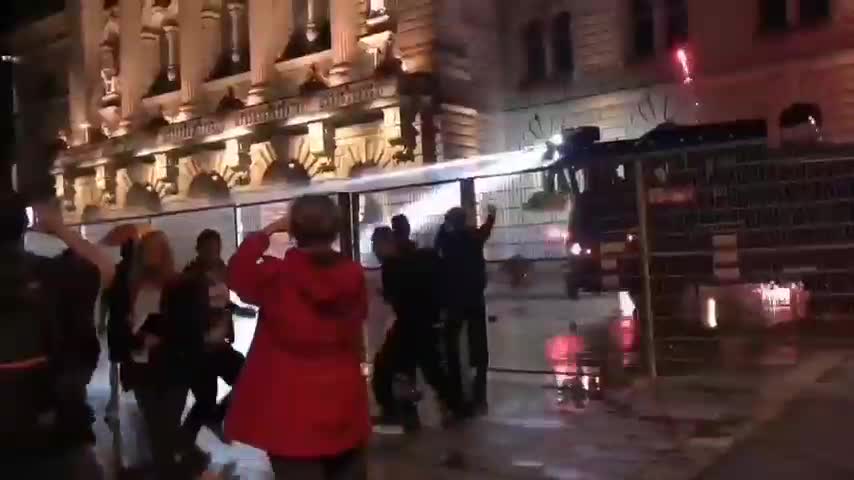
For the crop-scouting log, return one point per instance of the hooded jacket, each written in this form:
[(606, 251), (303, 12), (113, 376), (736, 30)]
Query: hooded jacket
[(301, 392)]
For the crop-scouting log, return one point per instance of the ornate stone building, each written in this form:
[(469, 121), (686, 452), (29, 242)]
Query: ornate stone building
[(157, 105), (160, 102), (614, 64)]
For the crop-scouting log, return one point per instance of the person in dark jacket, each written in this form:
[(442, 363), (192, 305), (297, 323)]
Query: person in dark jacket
[(411, 285), (167, 310), (219, 358), (402, 232), (460, 245), (48, 348), (115, 309)]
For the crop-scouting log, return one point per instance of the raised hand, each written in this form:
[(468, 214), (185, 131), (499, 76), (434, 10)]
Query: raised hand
[(282, 225)]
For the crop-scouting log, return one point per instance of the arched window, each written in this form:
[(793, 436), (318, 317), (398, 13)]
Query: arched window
[(677, 22), (643, 30), (773, 15), (562, 43), (535, 51), (814, 11)]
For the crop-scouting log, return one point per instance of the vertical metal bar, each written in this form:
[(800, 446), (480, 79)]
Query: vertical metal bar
[(643, 221), (355, 208), (346, 235), (236, 212), (468, 198)]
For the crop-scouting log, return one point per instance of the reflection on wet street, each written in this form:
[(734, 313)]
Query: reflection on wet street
[(528, 433)]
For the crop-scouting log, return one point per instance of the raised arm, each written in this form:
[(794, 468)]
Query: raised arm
[(485, 230), (248, 275), (49, 220)]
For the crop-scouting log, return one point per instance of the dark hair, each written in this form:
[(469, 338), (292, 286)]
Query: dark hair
[(382, 233), (401, 227), (13, 217), (315, 221), (208, 235), (456, 217)]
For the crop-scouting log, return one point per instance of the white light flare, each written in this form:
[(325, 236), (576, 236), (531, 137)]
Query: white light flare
[(682, 58), (556, 140), (627, 306), (712, 313)]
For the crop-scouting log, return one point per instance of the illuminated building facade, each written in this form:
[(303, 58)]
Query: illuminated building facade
[(616, 64), (162, 104)]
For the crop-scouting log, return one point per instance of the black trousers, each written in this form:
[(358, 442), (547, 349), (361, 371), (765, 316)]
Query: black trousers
[(402, 353), (225, 363), (473, 318), (161, 408), (78, 463), (347, 466)]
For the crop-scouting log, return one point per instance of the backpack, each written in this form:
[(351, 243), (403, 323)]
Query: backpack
[(28, 336)]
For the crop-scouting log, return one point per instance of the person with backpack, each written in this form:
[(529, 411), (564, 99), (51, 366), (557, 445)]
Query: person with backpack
[(48, 347)]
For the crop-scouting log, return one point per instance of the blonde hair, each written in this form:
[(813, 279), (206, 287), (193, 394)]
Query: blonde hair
[(165, 271)]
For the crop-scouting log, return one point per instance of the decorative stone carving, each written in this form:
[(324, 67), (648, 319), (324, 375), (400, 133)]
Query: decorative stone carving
[(321, 142), (314, 82), (166, 173), (239, 172), (400, 134), (105, 181), (68, 192), (380, 46), (377, 13)]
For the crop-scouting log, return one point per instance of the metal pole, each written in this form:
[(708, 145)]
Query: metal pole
[(643, 222)]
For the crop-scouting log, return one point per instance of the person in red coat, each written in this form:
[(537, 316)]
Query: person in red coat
[(301, 396)]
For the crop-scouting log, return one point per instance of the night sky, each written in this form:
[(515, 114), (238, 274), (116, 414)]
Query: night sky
[(21, 11), (16, 12)]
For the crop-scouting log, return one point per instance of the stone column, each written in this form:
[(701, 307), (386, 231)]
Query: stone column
[(262, 46), (236, 11), (312, 29), (190, 35), (130, 18), (346, 24), (212, 40), (416, 29), (85, 22), (170, 32)]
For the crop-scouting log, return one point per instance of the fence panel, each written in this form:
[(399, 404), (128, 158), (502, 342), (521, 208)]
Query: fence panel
[(531, 234), (183, 228), (424, 206)]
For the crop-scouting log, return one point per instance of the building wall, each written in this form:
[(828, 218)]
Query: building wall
[(739, 70)]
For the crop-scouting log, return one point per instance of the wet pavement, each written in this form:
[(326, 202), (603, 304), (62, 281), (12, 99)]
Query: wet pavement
[(676, 428), (811, 439)]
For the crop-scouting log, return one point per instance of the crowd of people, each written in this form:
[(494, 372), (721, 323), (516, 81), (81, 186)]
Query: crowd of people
[(300, 394)]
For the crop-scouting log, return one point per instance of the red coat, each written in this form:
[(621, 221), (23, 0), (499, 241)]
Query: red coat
[(301, 393)]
